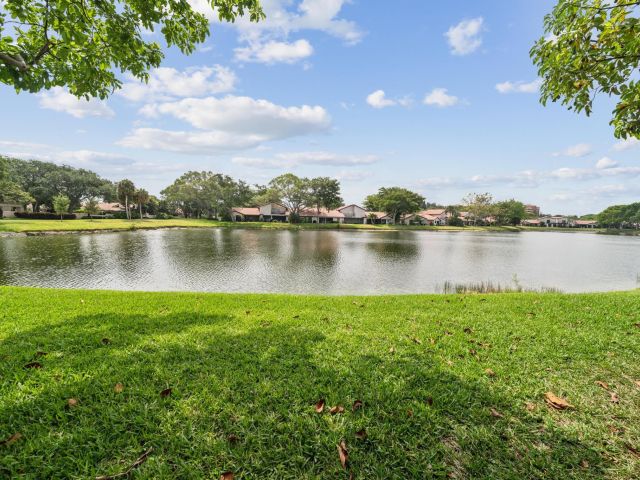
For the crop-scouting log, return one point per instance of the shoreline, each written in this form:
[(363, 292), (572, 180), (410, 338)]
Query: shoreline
[(33, 230)]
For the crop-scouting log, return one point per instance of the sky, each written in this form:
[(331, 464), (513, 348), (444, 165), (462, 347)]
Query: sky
[(438, 97)]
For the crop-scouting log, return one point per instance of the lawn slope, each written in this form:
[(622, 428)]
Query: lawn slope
[(245, 373)]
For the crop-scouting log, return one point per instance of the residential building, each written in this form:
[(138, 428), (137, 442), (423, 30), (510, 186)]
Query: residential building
[(532, 210), (8, 210)]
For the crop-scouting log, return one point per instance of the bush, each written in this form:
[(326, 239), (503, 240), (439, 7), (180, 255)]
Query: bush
[(163, 216), (44, 216)]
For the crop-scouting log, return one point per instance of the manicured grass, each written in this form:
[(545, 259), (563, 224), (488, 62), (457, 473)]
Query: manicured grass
[(245, 372)]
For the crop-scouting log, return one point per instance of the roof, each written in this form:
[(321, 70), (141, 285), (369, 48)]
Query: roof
[(110, 207), (250, 211), (586, 222), (322, 213)]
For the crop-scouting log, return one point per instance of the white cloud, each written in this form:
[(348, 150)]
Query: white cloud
[(295, 159), (577, 151), (606, 162), (627, 144), (464, 38), (519, 87), (353, 175), (273, 52), (439, 97), (167, 83), (378, 99), (61, 100), (225, 124)]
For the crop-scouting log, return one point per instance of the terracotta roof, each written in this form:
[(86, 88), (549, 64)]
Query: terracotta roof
[(110, 207), (251, 211), (586, 222), (322, 213)]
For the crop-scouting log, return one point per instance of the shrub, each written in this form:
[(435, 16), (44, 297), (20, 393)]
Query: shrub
[(44, 216)]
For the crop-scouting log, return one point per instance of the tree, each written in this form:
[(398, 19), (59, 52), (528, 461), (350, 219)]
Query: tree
[(294, 193), (453, 216), (395, 201), (509, 212), (81, 44), (479, 206), (126, 193), (10, 191), (324, 192), (591, 47), (61, 205), (141, 197), (91, 207), (620, 216)]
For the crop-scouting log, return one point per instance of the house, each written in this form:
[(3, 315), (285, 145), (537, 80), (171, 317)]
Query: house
[(556, 221), (8, 210), (534, 222), (379, 218), (433, 217), (106, 208), (322, 215), (354, 214), (246, 214), (585, 223)]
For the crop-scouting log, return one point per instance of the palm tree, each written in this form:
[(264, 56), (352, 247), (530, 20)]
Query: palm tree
[(142, 197)]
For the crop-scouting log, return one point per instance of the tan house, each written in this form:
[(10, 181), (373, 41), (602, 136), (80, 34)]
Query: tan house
[(433, 217), (354, 214), (9, 210)]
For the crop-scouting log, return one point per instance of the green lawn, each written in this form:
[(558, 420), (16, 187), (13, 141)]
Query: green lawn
[(245, 373)]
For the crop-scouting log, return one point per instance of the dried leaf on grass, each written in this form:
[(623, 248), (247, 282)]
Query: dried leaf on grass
[(343, 454), (166, 392), (556, 402), (227, 476), (604, 385), (495, 413), (118, 388), (141, 459), (357, 405), (336, 409), (320, 406), (33, 365), (490, 373), (615, 398), (361, 434), (72, 402), (11, 439)]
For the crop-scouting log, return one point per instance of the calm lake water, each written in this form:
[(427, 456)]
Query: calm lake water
[(319, 262)]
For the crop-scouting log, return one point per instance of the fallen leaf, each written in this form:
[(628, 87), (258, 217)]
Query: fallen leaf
[(343, 454), (165, 393), (490, 373), (118, 388), (556, 402), (320, 406), (615, 398), (417, 340), (448, 333), (604, 385), (392, 350), (106, 341), (33, 365), (336, 409), (468, 330), (410, 413), (233, 438), (429, 401), (530, 406), (584, 464), (496, 414), (632, 449), (432, 341), (141, 459), (227, 476), (72, 402), (473, 352), (637, 325), (637, 382), (11, 439), (356, 405), (361, 434)]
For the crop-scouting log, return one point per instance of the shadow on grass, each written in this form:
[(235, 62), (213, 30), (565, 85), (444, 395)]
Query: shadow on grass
[(243, 400)]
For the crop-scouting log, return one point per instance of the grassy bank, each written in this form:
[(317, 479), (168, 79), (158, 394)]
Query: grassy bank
[(14, 225), (245, 373)]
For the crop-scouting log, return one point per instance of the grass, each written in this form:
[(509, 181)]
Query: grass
[(245, 372)]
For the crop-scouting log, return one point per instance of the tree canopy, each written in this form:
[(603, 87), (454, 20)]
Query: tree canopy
[(395, 201), (82, 44), (620, 216), (592, 47)]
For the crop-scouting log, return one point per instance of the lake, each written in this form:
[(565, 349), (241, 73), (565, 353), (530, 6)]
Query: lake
[(319, 262)]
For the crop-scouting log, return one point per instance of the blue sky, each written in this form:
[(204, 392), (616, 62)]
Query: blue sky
[(438, 97)]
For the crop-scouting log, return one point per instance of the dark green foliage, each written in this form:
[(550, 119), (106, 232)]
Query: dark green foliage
[(621, 216), (395, 201), (591, 47)]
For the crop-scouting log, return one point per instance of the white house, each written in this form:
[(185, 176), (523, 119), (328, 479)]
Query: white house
[(9, 210), (354, 214)]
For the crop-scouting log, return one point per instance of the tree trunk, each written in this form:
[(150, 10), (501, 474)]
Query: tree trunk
[(140, 205), (126, 206)]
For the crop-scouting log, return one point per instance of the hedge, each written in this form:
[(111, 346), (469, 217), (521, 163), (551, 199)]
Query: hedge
[(45, 216)]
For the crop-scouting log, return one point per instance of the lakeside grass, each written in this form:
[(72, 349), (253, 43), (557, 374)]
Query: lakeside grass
[(26, 226), (245, 372)]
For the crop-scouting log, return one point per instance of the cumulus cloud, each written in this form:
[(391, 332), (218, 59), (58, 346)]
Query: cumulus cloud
[(273, 52), (577, 151), (167, 83), (465, 37), (224, 124), (378, 99), (627, 144), (353, 175), (519, 87), (61, 100), (439, 97), (296, 159), (606, 162)]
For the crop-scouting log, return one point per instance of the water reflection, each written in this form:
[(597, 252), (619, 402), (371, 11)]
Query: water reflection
[(319, 262)]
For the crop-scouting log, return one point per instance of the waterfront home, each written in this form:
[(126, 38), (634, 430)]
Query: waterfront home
[(107, 208), (532, 222), (555, 221), (8, 210), (246, 214), (322, 215), (585, 224), (354, 214), (432, 217)]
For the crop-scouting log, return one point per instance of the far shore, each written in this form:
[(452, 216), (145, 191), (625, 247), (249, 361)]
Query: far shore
[(21, 227)]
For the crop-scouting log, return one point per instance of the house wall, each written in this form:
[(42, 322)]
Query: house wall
[(353, 211), (8, 209)]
